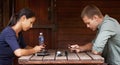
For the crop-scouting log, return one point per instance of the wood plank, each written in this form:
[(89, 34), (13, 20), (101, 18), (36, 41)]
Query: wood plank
[(95, 57), (37, 58), (50, 57), (61, 58), (25, 58), (72, 56), (84, 56)]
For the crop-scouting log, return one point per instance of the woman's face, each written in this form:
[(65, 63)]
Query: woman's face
[(28, 23)]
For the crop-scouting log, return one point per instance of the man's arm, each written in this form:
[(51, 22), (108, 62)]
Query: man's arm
[(77, 48), (86, 47)]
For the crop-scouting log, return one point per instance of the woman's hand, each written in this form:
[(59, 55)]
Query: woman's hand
[(38, 48)]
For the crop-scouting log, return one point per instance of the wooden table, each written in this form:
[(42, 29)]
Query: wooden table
[(70, 58)]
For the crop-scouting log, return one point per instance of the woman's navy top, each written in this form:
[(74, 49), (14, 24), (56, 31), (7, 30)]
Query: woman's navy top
[(8, 44)]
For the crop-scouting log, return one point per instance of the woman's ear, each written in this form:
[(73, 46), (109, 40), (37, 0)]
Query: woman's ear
[(23, 18)]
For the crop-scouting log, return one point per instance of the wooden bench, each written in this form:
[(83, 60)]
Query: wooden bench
[(70, 58)]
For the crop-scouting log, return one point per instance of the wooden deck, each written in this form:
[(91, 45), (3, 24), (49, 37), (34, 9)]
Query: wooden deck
[(69, 58)]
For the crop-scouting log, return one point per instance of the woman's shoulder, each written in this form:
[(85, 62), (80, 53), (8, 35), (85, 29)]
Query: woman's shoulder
[(8, 31)]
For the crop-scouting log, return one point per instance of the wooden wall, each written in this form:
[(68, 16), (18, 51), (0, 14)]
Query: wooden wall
[(71, 28), (1, 11), (4, 13), (60, 20), (43, 24)]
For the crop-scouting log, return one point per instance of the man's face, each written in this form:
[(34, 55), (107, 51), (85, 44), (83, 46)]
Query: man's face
[(90, 23)]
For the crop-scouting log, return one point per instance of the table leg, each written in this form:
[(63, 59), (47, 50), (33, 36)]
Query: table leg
[(103, 64)]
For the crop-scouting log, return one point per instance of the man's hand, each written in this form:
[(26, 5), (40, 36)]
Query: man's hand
[(74, 48), (95, 52), (77, 48)]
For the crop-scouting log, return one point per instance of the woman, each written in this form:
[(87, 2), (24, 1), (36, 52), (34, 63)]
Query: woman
[(11, 39)]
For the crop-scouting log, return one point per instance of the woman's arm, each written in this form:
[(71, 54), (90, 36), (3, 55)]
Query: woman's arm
[(22, 52), (28, 47)]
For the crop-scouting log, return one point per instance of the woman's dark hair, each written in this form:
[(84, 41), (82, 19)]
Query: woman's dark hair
[(27, 12)]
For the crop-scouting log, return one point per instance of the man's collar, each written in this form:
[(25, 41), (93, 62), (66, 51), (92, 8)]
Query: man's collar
[(106, 16)]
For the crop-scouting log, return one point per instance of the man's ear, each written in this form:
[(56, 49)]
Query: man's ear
[(95, 17)]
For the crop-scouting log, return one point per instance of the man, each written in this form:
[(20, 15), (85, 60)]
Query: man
[(107, 41)]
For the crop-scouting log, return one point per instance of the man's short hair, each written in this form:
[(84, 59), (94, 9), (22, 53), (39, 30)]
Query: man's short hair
[(90, 11)]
